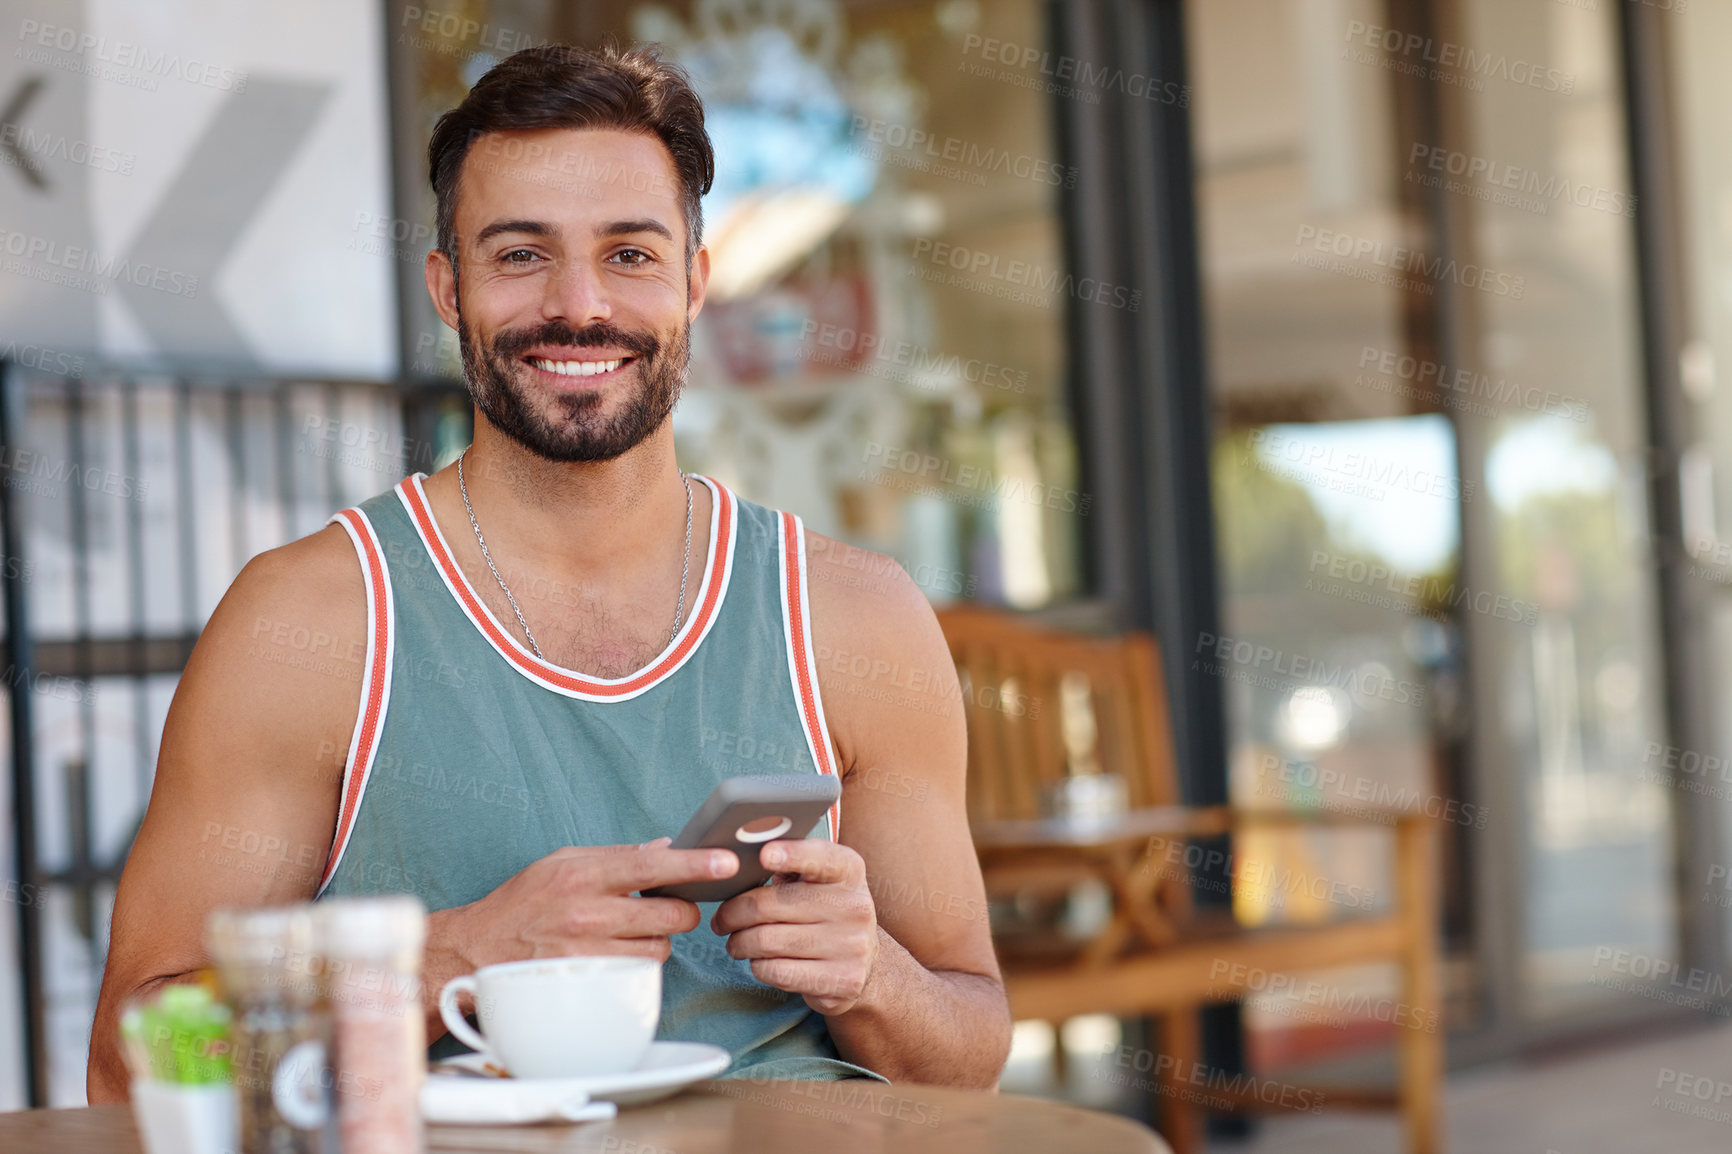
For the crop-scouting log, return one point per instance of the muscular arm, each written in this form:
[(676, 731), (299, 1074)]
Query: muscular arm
[(933, 1009), (245, 798), (244, 808)]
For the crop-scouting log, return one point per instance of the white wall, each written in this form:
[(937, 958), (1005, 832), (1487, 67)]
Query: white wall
[(235, 145)]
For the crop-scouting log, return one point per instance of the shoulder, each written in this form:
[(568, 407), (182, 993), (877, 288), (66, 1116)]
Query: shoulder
[(291, 628), (884, 666), (316, 578), (861, 594)]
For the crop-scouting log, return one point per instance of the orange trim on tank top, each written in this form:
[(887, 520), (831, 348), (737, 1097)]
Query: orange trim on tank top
[(690, 634), (803, 674)]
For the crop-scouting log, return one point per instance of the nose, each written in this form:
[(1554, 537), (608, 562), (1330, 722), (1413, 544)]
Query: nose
[(576, 294)]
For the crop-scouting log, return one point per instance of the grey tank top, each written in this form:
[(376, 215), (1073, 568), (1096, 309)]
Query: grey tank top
[(473, 758)]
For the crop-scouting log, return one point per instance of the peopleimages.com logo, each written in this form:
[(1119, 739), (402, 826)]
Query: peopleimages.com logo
[(1019, 281), (90, 269), (1080, 73), (978, 160), (1399, 261), (100, 50), (1448, 61), (886, 462), (1300, 458), (1267, 667)]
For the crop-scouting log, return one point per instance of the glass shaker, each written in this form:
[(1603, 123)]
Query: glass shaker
[(372, 951), (269, 969)]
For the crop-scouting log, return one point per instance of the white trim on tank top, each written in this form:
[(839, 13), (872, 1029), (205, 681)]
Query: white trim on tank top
[(376, 671), (724, 514)]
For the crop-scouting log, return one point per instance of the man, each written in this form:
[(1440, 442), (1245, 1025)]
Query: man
[(498, 687)]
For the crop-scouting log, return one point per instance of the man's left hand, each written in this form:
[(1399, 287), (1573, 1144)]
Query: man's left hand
[(813, 930)]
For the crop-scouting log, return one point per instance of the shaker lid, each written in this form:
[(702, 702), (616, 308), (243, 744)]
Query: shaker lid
[(370, 927), (273, 935)]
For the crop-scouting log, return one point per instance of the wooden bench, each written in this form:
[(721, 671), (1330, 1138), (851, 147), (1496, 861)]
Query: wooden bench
[(1042, 706)]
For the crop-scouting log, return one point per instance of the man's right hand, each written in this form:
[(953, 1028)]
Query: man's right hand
[(575, 901)]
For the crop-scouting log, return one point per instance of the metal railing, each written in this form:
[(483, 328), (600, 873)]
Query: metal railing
[(128, 503)]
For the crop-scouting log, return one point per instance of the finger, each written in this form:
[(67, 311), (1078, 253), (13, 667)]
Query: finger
[(589, 856), (644, 869), (814, 859), (646, 917), (606, 918), (781, 941), (593, 852), (839, 982), (792, 902), (658, 948)]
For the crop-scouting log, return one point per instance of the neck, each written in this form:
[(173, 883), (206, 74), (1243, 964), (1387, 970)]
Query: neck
[(579, 518)]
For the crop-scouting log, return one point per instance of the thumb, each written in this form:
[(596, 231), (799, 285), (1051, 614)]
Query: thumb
[(657, 843)]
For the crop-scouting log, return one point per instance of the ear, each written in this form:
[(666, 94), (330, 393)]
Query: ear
[(441, 279), (697, 282)]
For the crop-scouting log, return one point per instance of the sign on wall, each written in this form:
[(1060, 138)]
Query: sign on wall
[(182, 181)]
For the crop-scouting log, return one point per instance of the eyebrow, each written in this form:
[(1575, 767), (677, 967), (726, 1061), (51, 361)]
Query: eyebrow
[(622, 227), (543, 229), (532, 227)]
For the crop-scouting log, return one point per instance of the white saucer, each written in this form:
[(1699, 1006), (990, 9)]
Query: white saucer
[(449, 1100), (666, 1068)]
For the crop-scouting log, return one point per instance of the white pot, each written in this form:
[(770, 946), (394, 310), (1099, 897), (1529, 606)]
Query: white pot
[(175, 1119)]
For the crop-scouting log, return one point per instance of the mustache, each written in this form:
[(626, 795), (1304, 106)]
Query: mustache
[(511, 342)]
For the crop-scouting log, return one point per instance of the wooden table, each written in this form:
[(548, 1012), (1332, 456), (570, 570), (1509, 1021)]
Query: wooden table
[(738, 1116)]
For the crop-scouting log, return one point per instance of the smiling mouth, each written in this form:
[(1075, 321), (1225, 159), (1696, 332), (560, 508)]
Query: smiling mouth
[(578, 368)]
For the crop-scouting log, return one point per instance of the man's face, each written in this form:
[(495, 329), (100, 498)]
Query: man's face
[(571, 297)]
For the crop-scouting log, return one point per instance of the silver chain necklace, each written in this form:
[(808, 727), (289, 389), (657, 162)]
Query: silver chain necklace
[(685, 567)]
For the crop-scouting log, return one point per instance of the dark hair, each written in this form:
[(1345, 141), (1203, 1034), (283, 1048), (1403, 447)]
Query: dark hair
[(558, 86)]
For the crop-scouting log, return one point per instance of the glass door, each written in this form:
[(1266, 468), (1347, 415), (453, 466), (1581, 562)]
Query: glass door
[(1699, 86), (1545, 207), (1438, 590), (1338, 494)]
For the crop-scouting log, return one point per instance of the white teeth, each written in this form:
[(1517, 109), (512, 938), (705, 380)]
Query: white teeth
[(577, 368)]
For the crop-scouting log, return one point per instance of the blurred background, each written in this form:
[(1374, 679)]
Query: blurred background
[(1363, 352)]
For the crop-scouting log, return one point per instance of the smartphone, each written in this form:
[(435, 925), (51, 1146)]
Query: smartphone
[(741, 814)]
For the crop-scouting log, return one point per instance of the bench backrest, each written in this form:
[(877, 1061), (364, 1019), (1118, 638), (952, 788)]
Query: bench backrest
[(1042, 704)]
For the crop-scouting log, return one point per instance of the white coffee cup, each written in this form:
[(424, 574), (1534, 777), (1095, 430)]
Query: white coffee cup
[(560, 1017)]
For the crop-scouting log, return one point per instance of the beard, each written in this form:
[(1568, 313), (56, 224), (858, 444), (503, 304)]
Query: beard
[(569, 427)]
